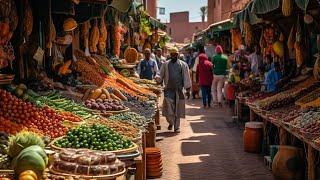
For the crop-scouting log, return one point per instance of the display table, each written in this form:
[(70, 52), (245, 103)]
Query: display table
[(285, 131)]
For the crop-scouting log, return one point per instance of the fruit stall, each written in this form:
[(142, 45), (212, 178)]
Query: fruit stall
[(284, 124), (66, 112)]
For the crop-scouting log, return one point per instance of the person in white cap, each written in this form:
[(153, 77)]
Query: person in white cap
[(175, 75)]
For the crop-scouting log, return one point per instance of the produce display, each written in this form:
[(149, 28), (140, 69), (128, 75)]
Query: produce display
[(95, 137), (310, 99), (94, 70), (132, 117), (285, 113), (143, 108), (287, 97), (123, 128), (87, 163), (306, 119), (45, 119), (72, 111), (4, 158), (105, 105), (102, 93), (312, 128)]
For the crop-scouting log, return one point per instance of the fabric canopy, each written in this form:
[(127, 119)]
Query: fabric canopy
[(221, 26), (246, 15), (266, 6)]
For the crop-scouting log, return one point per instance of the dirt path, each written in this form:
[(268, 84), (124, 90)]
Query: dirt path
[(209, 147)]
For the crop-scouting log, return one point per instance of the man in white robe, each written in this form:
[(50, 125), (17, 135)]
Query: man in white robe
[(176, 77)]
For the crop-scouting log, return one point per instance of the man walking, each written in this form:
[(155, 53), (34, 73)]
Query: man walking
[(159, 58), (175, 75), (148, 67)]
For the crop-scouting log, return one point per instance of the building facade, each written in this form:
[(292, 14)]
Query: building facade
[(219, 10), (151, 7), (180, 29)]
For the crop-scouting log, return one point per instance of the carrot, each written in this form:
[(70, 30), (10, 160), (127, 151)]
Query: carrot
[(114, 97), (120, 95), (106, 92)]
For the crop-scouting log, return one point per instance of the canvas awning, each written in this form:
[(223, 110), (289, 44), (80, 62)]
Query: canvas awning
[(221, 26), (266, 6)]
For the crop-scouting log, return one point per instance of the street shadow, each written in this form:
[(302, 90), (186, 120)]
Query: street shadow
[(166, 134)]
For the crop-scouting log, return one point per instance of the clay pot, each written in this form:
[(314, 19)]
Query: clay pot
[(288, 163)]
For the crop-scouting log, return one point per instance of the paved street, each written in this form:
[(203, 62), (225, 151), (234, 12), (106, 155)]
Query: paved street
[(209, 147)]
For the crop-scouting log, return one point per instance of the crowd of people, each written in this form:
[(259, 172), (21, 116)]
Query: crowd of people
[(209, 70)]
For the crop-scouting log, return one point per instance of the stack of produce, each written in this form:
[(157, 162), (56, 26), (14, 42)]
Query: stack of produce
[(287, 97), (123, 128), (286, 114), (4, 158), (94, 70), (310, 100), (95, 137), (131, 117), (257, 96), (29, 159), (64, 106), (143, 108), (83, 162), (306, 119), (154, 162), (46, 120), (105, 106), (102, 93)]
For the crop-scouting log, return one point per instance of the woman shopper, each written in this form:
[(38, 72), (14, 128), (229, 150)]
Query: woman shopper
[(220, 65), (205, 77)]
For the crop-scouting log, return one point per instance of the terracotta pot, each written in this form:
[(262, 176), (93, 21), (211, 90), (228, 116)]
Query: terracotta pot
[(288, 163)]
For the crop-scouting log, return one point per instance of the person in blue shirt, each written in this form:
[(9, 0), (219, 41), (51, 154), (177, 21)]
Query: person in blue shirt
[(148, 68), (273, 77)]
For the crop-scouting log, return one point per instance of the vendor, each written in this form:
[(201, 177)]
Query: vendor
[(273, 77), (147, 68), (159, 58), (256, 60)]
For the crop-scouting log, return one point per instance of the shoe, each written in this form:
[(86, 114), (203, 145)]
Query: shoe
[(170, 127), (220, 104), (177, 130)]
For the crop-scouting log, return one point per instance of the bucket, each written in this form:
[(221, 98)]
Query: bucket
[(252, 137)]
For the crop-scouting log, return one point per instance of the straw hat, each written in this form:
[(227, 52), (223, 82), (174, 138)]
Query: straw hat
[(174, 50), (69, 25)]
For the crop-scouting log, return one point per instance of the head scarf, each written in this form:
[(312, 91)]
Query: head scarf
[(219, 49)]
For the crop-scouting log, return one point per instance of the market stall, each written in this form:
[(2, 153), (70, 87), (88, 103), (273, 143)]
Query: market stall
[(289, 115), (65, 111)]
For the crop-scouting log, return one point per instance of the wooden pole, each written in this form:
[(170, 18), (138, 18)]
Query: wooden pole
[(311, 163)]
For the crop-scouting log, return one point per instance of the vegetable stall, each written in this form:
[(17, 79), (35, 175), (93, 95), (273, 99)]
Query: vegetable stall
[(283, 123), (66, 112)]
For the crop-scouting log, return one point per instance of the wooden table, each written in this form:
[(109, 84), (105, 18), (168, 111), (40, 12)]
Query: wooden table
[(312, 147)]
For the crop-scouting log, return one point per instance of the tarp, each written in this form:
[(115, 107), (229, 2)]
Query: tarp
[(264, 6), (246, 15)]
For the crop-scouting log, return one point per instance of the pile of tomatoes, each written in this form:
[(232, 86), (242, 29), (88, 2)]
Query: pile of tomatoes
[(46, 120)]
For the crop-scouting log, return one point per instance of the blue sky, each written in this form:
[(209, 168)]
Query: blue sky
[(193, 6)]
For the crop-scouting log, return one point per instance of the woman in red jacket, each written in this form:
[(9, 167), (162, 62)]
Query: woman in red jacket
[(205, 77)]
